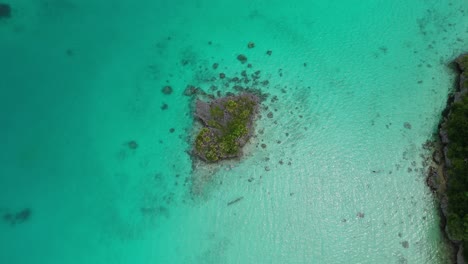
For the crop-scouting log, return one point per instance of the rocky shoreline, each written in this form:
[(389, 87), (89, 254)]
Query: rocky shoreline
[(438, 174)]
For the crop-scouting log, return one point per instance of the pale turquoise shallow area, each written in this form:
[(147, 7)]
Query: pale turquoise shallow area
[(347, 76)]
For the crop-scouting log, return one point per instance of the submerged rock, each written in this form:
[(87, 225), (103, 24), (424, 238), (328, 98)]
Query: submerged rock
[(167, 90), (405, 244), (17, 218), (132, 144), (191, 90), (242, 58), (5, 11)]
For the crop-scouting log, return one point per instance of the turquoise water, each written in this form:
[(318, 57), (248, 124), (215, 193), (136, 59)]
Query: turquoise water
[(341, 179)]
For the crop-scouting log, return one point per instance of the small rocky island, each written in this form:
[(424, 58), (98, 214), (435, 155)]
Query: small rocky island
[(227, 126)]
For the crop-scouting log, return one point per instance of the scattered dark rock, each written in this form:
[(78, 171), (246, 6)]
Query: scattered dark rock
[(132, 144), (269, 52), (191, 90), (222, 75), (263, 145), (238, 88), (270, 115), (23, 215), (167, 90), (171, 130), (17, 218), (251, 45), (405, 244), (5, 11), (215, 66), (164, 107), (242, 58), (407, 125)]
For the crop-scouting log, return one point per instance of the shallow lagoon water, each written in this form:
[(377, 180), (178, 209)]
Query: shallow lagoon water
[(359, 88)]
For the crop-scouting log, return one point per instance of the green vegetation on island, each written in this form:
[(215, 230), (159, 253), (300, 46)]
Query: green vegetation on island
[(456, 128), (228, 124)]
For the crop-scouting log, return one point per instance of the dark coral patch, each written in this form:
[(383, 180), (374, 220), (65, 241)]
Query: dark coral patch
[(17, 218), (5, 10), (242, 58), (132, 144), (167, 90)]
